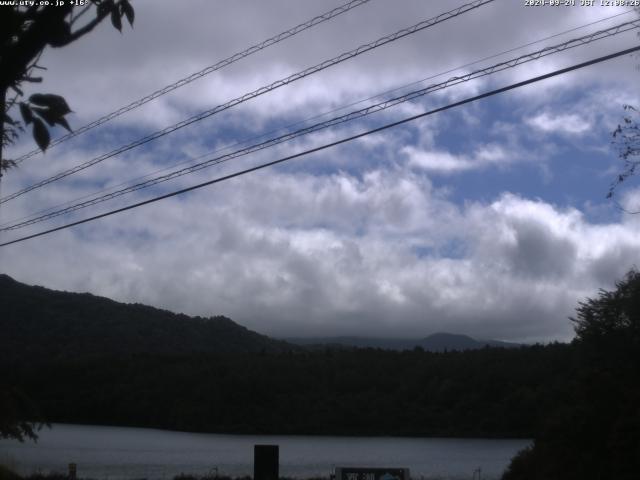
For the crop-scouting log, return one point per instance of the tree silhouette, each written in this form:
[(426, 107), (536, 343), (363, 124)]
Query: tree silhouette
[(25, 31), (612, 318), (595, 432), (626, 137)]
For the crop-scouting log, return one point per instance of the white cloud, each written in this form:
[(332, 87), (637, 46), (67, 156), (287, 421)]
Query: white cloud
[(631, 201), (446, 162), (352, 240), (296, 254), (563, 123)]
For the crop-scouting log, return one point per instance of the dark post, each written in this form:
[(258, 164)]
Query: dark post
[(265, 462), (72, 471)]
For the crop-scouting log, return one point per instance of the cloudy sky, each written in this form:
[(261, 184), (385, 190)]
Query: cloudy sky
[(489, 219)]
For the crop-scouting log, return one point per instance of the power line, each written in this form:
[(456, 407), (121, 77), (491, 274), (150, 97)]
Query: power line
[(490, 57), (580, 41), (333, 144), (324, 114), (260, 91), (205, 71)]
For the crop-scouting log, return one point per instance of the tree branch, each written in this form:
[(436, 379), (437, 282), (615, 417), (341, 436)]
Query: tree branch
[(86, 29), (76, 17)]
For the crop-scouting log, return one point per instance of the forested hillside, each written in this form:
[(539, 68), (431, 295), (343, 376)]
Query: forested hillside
[(43, 325), (86, 359)]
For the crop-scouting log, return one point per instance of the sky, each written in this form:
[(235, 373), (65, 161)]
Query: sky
[(489, 219)]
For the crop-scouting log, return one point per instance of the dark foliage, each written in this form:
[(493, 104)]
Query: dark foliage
[(487, 393), (44, 326), (61, 476), (597, 434), (8, 474), (87, 359), (15, 409), (626, 138), (25, 31), (40, 328)]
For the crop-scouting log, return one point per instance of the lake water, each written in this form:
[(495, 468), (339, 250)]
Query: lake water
[(135, 453)]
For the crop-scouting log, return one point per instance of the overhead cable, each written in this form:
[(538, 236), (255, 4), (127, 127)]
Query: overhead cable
[(314, 117), (569, 44), (205, 71), (260, 91), (332, 144)]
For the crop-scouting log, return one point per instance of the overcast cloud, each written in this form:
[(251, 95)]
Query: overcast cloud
[(489, 220)]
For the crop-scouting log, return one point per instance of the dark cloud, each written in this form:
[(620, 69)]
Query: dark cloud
[(538, 252)]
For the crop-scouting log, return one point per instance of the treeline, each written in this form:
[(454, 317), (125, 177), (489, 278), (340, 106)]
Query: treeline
[(79, 358), (593, 433), (492, 392)]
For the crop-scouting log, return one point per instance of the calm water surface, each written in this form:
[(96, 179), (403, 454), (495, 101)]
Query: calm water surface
[(126, 453)]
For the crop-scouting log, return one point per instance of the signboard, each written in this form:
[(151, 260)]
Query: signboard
[(377, 473)]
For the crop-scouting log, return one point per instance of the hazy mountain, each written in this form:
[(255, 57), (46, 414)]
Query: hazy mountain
[(437, 342), (40, 323)]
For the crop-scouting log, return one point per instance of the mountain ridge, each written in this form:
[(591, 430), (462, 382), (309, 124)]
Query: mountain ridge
[(436, 342), (59, 324), (55, 324)]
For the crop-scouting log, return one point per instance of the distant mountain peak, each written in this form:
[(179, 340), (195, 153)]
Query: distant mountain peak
[(436, 342)]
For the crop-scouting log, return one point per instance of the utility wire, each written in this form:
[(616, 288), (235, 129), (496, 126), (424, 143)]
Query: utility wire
[(475, 62), (260, 91), (205, 71), (308, 119), (333, 144), (584, 40)]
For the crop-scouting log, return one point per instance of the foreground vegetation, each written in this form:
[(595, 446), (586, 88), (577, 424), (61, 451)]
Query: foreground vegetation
[(594, 431), (580, 401), (482, 393), (7, 474)]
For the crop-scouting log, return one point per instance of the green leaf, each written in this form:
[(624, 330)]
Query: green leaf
[(55, 103), (46, 114), (25, 111), (128, 11), (62, 121), (41, 134), (116, 20), (105, 7), (40, 99), (51, 118)]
